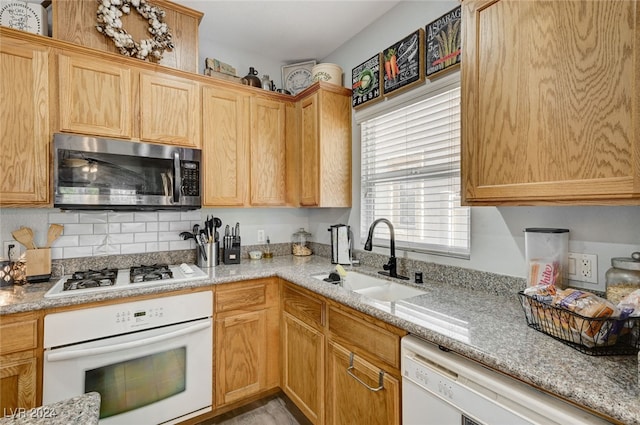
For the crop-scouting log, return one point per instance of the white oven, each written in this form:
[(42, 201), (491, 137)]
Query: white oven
[(150, 360)]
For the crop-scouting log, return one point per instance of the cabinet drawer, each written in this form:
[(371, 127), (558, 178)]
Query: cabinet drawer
[(373, 339), (306, 308), (251, 295), (18, 336)]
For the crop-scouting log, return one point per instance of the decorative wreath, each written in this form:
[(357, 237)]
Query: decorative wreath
[(110, 24)]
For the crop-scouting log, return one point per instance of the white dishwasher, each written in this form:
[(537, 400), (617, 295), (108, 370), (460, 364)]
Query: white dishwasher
[(443, 388)]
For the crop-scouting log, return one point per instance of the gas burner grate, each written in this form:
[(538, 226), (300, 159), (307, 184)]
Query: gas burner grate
[(149, 273), (91, 279)]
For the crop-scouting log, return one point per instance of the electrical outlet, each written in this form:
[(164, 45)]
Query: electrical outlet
[(15, 251), (583, 267), (261, 236)]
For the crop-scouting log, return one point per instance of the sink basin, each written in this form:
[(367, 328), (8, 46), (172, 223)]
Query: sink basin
[(390, 292), (375, 287), (355, 281)]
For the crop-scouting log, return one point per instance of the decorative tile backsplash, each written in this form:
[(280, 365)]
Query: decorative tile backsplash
[(88, 234)]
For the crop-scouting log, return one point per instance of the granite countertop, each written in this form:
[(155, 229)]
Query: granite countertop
[(488, 328), (81, 410)]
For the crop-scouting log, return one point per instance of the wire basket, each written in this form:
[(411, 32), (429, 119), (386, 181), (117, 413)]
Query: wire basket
[(592, 336)]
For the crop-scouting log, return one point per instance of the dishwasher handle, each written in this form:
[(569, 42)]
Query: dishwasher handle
[(86, 352), (380, 376)]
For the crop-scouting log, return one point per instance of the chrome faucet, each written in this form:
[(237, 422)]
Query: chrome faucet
[(392, 265)]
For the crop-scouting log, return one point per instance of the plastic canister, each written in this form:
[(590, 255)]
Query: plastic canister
[(547, 256), (623, 277)]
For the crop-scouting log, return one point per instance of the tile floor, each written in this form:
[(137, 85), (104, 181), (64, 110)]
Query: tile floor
[(276, 410)]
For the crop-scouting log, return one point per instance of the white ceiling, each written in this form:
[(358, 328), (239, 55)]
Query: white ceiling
[(286, 31)]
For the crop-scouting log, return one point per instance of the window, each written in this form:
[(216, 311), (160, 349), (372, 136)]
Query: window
[(411, 174)]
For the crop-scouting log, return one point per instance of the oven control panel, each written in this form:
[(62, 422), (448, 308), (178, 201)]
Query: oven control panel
[(70, 327), (139, 316)]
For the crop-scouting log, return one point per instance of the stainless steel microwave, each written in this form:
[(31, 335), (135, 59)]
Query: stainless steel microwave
[(93, 173)]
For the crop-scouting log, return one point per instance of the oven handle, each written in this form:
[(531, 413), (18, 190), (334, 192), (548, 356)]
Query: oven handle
[(74, 354)]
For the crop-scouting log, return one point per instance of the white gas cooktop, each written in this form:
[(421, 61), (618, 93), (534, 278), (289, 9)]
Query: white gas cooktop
[(181, 273)]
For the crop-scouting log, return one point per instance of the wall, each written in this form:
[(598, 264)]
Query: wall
[(88, 234), (497, 239)]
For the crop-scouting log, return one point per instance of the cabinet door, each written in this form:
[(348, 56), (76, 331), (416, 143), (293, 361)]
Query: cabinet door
[(95, 97), (17, 383), (309, 155), (241, 356), (169, 110), (303, 367), (549, 111), (355, 394), (268, 152), (225, 135), (24, 124)]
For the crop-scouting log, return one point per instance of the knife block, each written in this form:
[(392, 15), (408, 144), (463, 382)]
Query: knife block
[(38, 265), (232, 255)]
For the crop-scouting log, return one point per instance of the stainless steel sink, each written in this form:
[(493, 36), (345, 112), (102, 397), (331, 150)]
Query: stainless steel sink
[(375, 287)]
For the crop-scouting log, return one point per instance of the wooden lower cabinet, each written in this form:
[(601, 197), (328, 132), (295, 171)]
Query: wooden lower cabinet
[(303, 367), (246, 340), (358, 392), (19, 362)]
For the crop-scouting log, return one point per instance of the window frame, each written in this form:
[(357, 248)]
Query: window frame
[(388, 105)]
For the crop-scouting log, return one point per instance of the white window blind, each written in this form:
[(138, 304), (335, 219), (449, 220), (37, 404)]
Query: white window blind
[(411, 176)]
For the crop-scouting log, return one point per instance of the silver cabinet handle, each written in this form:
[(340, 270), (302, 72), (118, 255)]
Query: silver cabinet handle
[(380, 376)]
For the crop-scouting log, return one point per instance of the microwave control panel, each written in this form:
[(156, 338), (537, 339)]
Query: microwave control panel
[(190, 171)]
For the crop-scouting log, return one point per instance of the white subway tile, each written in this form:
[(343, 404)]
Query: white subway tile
[(133, 227), (169, 216), (152, 247), (194, 215), (78, 229), (145, 216), (121, 217), (93, 218), (91, 240), (152, 226), (163, 226), (163, 246), (145, 237), (168, 236), (57, 253), (119, 238), (64, 241), (100, 229), (178, 245), (106, 250), (63, 218), (76, 252), (180, 226), (132, 248), (113, 228)]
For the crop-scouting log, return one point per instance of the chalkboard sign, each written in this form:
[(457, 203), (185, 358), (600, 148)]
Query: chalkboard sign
[(443, 43), (365, 79), (404, 63)]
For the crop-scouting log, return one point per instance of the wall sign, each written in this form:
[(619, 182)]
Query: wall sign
[(365, 79), (404, 63), (443, 43)]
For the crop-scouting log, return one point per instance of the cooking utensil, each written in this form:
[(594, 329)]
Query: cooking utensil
[(54, 232), (187, 235), (24, 235), (217, 223)]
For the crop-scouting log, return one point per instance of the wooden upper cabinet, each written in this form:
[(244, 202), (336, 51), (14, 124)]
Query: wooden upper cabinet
[(169, 110), (225, 132), (24, 124), (268, 152), (325, 152), (95, 96), (551, 106), (309, 160)]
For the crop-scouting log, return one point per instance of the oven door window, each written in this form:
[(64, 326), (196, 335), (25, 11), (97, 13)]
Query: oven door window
[(113, 174), (138, 382)]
